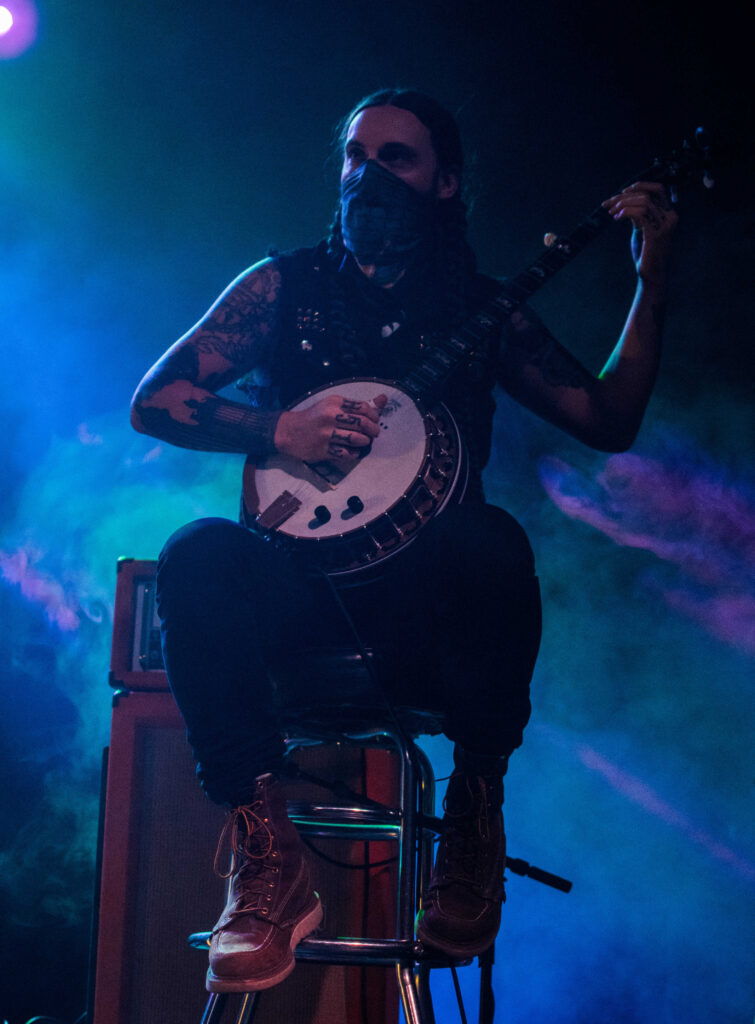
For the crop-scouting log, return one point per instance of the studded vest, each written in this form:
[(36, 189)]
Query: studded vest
[(333, 325)]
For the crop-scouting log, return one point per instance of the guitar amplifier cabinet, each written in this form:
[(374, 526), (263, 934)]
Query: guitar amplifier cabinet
[(136, 660), (158, 838)]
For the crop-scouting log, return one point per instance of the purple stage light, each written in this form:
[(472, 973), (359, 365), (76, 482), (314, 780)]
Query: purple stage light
[(686, 513), (59, 605), (18, 27), (639, 792)]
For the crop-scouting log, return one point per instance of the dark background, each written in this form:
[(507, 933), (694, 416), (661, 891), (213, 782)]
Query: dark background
[(148, 154)]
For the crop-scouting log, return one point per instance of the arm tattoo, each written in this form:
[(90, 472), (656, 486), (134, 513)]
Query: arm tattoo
[(176, 402), (531, 344), (183, 364), (248, 312), (215, 425), (180, 365)]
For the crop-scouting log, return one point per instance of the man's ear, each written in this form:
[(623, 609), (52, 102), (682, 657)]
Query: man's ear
[(447, 185)]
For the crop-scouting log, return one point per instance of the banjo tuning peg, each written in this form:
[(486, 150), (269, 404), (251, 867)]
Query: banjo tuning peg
[(702, 140)]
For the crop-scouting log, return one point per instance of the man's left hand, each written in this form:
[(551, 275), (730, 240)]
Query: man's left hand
[(647, 206)]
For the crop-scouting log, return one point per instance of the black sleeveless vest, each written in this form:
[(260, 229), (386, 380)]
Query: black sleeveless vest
[(333, 325)]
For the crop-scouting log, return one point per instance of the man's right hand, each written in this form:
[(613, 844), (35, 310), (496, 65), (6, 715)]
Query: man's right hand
[(334, 429)]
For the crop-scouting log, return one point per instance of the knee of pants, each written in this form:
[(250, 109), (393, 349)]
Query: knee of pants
[(202, 540), (205, 556), (483, 536)]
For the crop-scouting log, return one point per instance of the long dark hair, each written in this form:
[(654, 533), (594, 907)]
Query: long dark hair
[(454, 259)]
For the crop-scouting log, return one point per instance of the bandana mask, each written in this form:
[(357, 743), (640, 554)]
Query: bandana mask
[(383, 220)]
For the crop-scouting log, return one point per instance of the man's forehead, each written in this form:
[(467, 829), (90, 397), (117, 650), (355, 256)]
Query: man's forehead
[(389, 124)]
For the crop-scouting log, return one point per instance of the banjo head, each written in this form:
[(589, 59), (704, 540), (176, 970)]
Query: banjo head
[(319, 509)]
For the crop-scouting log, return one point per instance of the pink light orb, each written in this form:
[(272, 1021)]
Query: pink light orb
[(18, 27), (6, 20)]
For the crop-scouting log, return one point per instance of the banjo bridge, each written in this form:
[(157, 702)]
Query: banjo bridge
[(278, 511)]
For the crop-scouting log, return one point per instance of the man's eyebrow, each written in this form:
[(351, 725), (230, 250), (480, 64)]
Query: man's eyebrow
[(401, 148)]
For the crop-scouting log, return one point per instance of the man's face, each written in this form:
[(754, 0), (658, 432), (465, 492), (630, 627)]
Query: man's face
[(400, 143)]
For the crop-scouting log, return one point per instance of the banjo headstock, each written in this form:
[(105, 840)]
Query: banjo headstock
[(690, 160)]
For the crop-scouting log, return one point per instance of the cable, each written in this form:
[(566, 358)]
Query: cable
[(457, 989), (338, 788), (371, 671), (342, 864)]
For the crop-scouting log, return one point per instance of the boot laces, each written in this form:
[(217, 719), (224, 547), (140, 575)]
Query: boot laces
[(467, 835), (251, 843)]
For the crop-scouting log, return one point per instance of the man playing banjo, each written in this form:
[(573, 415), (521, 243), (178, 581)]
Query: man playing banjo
[(454, 616)]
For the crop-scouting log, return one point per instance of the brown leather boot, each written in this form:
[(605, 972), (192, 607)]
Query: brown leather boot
[(461, 911), (271, 904)]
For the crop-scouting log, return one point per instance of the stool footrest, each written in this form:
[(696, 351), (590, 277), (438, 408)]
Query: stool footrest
[(352, 822), (370, 952)]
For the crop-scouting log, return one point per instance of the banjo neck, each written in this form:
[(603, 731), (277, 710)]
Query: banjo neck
[(449, 353)]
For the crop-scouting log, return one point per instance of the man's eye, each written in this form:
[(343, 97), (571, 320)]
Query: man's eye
[(396, 156)]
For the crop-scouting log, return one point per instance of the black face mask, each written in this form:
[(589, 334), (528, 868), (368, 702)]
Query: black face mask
[(383, 220)]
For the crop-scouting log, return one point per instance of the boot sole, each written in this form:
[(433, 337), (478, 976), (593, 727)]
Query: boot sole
[(458, 950), (257, 984)]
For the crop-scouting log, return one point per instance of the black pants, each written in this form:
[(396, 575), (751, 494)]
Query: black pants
[(455, 620)]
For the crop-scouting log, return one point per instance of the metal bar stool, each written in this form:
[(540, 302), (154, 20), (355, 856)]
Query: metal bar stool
[(348, 711)]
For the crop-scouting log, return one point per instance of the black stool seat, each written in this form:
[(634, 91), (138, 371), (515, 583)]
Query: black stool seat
[(330, 691)]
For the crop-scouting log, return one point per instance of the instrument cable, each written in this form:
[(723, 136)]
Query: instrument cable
[(371, 670), (401, 732)]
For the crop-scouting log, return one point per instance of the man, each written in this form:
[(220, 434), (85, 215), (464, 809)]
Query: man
[(455, 618)]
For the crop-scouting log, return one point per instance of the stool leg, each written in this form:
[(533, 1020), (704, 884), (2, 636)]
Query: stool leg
[(414, 1003), (407, 876), (422, 981), (214, 1009), (248, 1008), (487, 998), (216, 1004), (426, 837)]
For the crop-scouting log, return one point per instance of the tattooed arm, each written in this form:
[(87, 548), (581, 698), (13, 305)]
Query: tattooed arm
[(176, 401), (603, 412)]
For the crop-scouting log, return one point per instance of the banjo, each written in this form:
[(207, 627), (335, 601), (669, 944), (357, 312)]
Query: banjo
[(344, 523)]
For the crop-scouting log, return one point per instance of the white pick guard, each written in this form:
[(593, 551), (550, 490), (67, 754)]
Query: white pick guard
[(381, 478)]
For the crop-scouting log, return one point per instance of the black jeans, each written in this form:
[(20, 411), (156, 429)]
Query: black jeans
[(455, 620)]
